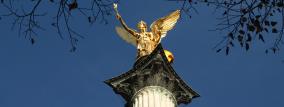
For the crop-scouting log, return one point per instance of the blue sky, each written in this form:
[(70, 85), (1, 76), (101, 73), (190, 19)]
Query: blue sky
[(48, 75)]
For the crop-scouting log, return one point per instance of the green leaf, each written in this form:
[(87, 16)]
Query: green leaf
[(231, 43), (218, 50), (273, 23), (225, 13), (244, 19), (257, 16), (242, 32), (73, 5), (73, 49), (247, 46), (266, 29), (32, 41), (227, 50), (261, 37), (240, 38), (266, 23), (260, 6), (89, 19), (274, 50), (266, 51), (274, 30), (249, 37), (251, 28), (244, 11), (280, 4), (242, 44), (231, 35)]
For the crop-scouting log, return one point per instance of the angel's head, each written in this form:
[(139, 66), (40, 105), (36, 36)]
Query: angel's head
[(142, 26)]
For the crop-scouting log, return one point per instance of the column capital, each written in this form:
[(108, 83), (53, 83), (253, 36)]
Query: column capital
[(148, 71)]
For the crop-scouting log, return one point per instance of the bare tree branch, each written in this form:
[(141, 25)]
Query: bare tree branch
[(27, 22)]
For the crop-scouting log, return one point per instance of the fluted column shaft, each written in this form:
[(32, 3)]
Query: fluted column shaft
[(153, 96)]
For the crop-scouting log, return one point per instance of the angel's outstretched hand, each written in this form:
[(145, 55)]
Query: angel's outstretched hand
[(115, 6)]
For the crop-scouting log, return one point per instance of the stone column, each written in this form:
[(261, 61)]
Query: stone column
[(154, 96)]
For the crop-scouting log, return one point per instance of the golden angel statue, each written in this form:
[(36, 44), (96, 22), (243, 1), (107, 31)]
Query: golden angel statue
[(146, 41)]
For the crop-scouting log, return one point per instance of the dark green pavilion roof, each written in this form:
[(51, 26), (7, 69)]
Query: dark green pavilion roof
[(152, 70)]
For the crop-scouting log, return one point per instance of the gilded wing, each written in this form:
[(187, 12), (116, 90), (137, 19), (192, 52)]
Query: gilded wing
[(129, 38), (161, 26)]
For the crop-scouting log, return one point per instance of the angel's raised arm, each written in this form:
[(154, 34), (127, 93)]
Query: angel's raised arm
[(131, 31), (125, 26)]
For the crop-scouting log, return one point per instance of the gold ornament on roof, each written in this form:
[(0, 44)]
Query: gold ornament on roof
[(146, 41), (169, 55)]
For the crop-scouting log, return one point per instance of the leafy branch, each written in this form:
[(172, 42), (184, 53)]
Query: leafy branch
[(246, 21)]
